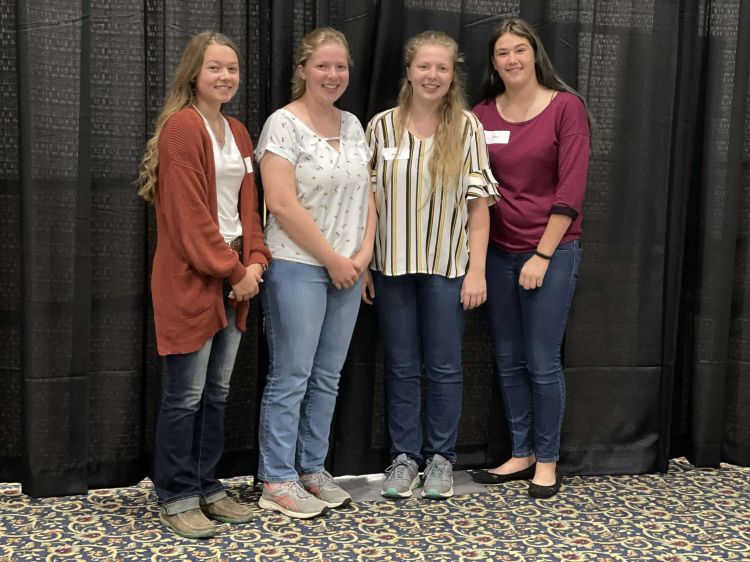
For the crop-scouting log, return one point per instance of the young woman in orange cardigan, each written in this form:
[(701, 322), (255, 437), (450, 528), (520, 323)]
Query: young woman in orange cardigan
[(210, 257)]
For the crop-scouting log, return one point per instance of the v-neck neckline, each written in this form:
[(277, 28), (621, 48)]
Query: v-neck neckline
[(224, 124), (327, 140)]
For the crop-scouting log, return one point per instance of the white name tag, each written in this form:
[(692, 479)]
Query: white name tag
[(393, 153), (497, 137), (249, 164)]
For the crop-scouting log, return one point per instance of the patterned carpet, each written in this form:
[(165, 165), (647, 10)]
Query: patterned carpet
[(687, 514)]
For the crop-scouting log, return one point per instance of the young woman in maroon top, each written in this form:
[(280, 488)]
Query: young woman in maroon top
[(537, 132)]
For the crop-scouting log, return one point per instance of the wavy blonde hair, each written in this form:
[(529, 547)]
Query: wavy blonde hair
[(447, 149), (307, 47), (181, 94)]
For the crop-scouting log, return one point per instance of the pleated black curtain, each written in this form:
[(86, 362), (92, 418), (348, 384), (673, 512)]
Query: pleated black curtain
[(657, 352)]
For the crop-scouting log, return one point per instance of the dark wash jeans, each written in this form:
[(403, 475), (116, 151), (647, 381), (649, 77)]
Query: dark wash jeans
[(527, 329), (190, 428), (421, 321)]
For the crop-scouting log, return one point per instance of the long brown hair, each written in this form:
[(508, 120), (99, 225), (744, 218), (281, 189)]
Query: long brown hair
[(492, 86), (307, 46), (447, 149), (181, 94)]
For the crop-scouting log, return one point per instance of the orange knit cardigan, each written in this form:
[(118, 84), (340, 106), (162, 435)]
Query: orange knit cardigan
[(192, 258)]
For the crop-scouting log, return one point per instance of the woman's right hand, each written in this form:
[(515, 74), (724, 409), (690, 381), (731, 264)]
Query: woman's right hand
[(343, 271), (368, 287), (248, 287)]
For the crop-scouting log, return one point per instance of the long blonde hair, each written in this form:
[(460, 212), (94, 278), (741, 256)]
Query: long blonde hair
[(181, 94), (447, 149), (307, 47)]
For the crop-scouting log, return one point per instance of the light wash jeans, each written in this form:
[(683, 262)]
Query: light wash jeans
[(309, 325), (527, 329), (190, 427)]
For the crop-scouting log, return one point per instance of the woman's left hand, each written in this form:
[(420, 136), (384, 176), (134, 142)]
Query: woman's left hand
[(473, 290), (254, 270), (257, 270), (362, 260), (533, 272)]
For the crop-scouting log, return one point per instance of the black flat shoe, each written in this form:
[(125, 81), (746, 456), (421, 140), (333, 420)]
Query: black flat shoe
[(487, 478), (543, 492)]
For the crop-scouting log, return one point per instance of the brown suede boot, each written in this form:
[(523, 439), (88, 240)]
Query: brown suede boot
[(227, 511), (191, 524)]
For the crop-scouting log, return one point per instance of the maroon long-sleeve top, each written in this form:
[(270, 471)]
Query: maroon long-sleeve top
[(541, 165)]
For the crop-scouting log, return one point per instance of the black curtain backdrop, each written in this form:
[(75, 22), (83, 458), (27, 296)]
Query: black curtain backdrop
[(658, 347)]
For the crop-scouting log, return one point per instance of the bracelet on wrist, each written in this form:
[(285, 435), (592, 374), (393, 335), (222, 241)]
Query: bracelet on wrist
[(541, 255)]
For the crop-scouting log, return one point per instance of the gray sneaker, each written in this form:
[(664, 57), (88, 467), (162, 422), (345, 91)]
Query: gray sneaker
[(438, 478), (291, 499), (400, 478), (322, 486)]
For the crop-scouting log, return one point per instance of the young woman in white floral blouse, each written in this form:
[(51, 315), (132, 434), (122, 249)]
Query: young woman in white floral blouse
[(313, 160)]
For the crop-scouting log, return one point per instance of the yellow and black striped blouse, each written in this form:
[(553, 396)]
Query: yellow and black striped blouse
[(420, 229)]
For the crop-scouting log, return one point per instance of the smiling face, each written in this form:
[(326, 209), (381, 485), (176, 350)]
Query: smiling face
[(326, 72), (430, 73), (513, 59), (219, 77)]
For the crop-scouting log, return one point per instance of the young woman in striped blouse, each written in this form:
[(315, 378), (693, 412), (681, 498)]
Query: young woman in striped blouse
[(432, 185)]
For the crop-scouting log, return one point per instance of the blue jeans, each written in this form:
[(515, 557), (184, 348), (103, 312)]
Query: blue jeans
[(421, 322), (527, 329), (190, 428), (309, 325)]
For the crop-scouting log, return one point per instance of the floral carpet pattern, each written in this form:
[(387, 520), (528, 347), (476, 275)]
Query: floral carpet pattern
[(688, 514)]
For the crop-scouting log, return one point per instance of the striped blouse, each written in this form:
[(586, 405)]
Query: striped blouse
[(421, 230)]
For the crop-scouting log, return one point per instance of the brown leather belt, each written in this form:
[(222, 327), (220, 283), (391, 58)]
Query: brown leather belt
[(236, 244)]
